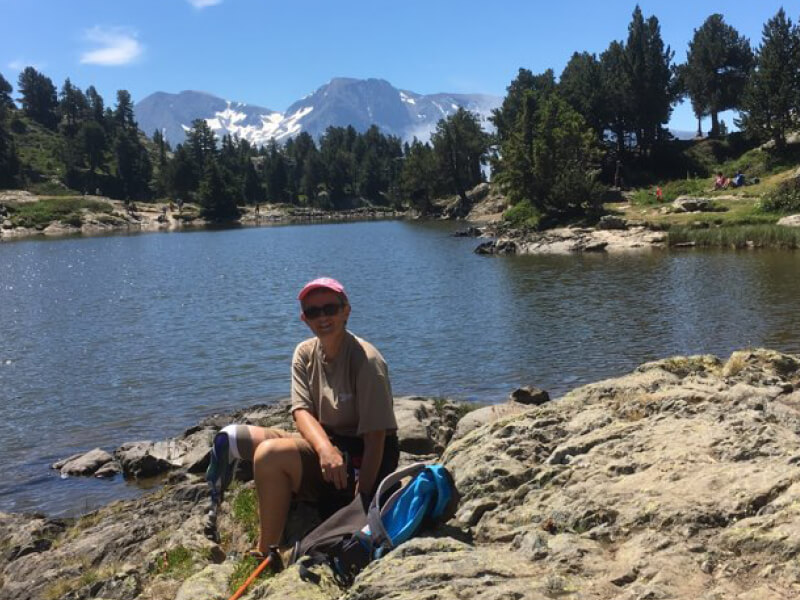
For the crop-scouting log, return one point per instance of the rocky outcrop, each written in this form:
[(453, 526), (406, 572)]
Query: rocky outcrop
[(790, 221), (679, 480), (83, 464), (568, 240), (520, 400), (425, 426), (692, 204)]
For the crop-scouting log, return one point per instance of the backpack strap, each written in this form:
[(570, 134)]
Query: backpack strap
[(378, 532)]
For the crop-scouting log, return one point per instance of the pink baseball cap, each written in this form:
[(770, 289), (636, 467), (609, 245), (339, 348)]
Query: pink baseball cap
[(322, 283)]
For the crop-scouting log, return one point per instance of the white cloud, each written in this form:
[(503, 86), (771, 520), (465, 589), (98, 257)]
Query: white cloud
[(20, 64), (117, 46), (203, 3)]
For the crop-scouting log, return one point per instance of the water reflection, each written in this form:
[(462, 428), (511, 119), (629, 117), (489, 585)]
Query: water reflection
[(112, 339)]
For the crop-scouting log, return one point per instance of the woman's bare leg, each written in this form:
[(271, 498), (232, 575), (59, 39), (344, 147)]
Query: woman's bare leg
[(277, 470)]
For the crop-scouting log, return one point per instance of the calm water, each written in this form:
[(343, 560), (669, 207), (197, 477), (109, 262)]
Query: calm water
[(111, 339)]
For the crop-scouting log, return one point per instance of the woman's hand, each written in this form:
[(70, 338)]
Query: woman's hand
[(331, 461), (334, 469)]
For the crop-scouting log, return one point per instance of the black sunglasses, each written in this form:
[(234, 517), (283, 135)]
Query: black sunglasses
[(312, 312)]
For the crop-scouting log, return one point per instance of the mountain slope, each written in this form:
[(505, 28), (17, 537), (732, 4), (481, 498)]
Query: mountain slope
[(340, 102)]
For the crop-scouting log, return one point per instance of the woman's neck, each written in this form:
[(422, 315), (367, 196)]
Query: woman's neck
[(332, 345)]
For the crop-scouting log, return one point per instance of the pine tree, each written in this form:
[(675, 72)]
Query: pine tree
[(9, 162), (123, 113), (616, 89), (72, 108), (134, 169), (93, 144), (419, 176), (581, 84), (461, 147), (96, 105), (5, 94), (505, 117), (718, 64), (648, 64), (216, 195), (770, 106), (38, 97)]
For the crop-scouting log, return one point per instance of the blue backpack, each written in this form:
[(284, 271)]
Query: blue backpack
[(360, 533)]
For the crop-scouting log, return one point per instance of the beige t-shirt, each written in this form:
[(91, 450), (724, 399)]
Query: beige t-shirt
[(350, 395)]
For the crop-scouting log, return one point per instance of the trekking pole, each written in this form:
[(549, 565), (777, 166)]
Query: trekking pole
[(264, 564)]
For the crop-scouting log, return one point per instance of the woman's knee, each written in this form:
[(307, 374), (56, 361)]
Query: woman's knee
[(276, 453)]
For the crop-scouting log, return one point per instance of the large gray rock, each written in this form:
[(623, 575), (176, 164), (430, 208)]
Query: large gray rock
[(84, 464), (210, 583), (674, 481), (692, 204), (678, 480), (519, 400), (790, 221), (612, 222), (425, 425)]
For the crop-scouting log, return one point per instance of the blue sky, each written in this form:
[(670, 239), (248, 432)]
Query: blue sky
[(273, 53)]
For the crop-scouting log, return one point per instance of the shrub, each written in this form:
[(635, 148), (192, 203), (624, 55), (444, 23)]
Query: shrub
[(523, 215), (783, 199)]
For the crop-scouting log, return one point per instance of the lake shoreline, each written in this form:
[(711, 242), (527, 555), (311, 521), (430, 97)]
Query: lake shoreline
[(678, 479), (117, 217)]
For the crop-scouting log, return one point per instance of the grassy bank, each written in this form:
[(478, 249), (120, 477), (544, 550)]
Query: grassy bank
[(68, 210), (736, 236)]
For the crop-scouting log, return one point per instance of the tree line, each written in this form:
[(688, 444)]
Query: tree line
[(101, 149), (558, 142)]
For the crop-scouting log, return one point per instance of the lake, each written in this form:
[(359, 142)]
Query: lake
[(105, 340)]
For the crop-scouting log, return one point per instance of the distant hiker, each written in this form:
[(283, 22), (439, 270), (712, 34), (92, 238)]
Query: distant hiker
[(171, 206), (721, 182), (180, 205), (659, 194), (342, 407), (618, 175), (738, 179)]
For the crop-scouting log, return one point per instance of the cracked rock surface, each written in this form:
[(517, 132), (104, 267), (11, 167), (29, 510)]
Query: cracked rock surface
[(680, 480)]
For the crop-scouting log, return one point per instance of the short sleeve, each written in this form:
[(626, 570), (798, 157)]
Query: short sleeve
[(301, 386), (374, 394)]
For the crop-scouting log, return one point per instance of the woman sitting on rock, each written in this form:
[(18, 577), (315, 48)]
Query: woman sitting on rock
[(343, 410)]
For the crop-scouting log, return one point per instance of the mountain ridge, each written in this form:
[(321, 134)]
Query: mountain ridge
[(341, 102)]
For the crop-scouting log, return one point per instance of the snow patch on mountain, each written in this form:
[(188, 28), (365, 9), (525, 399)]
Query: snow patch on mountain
[(341, 102)]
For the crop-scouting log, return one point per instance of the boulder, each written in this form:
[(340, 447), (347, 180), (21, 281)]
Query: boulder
[(612, 222), (84, 464), (673, 481), (529, 395), (486, 414), (210, 583), (468, 232), (692, 204), (425, 425), (143, 459), (790, 221), (519, 400), (503, 246)]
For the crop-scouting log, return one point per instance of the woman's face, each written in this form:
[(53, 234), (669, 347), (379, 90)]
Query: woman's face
[(320, 302)]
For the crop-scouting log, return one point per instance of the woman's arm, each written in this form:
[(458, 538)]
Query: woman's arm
[(330, 459), (371, 462)]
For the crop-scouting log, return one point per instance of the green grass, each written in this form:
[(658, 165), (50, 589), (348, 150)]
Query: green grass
[(736, 236), (39, 148), (177, 563), (243, 569), (245, 512), (67, 210)]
